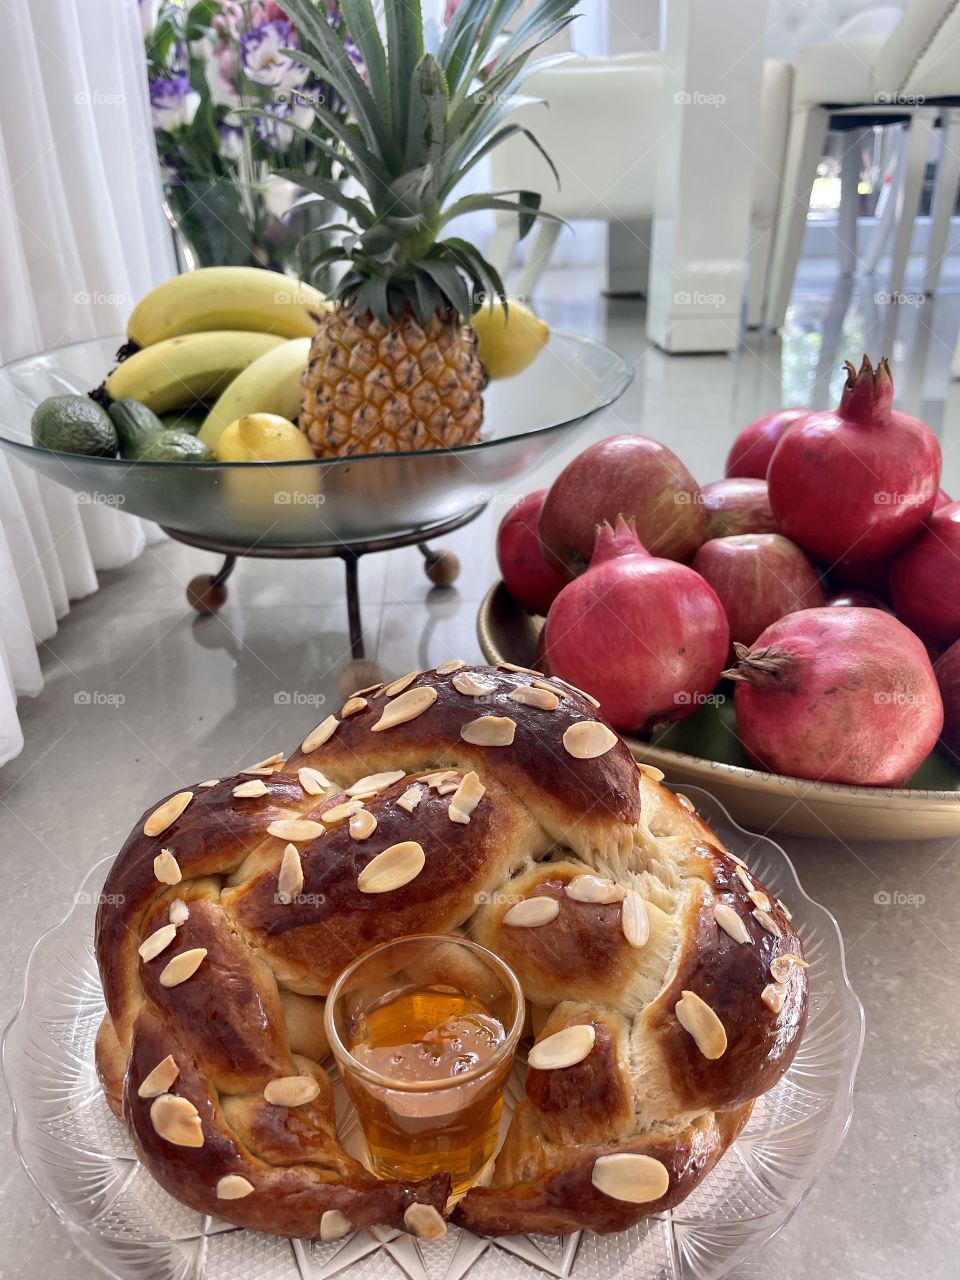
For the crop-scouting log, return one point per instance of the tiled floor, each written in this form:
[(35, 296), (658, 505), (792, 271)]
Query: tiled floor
[(188, 697)]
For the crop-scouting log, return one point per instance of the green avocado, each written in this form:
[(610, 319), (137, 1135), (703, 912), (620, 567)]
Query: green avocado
[(172, 445), (135, 424), (73, 424), (185, 419)]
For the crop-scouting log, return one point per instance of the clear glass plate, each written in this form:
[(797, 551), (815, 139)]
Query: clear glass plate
[(321, 502), (80, 1158)]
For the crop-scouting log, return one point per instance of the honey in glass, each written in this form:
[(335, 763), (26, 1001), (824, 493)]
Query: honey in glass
[(424, 1031)]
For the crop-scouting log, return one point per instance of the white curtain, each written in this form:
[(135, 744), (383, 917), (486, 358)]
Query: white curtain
[(83, 236)]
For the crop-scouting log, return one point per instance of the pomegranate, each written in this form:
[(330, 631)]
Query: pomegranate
[(632, 476), (947, 671), (943, 499), (925, 579), (737, 506), (758, 577), (753, 448), (857, 483), (838, 695), (646, 636), (530, 580)]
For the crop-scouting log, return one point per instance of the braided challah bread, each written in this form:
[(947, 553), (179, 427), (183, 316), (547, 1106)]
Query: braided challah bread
[(665, 986)]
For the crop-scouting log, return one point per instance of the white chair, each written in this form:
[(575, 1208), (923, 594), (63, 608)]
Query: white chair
[(856, 83), (597, 118)]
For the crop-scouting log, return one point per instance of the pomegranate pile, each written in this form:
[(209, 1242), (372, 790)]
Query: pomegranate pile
[(801, 615)]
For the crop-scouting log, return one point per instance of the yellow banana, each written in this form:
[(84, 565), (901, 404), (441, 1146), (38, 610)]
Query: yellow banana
[(180, 371), (269, 385), (226, 298)]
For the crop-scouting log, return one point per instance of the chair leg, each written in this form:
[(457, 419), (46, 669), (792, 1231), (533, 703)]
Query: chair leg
[(808, 128), (760, 251), (540, 252), (944, 198), (849, 202), (908, 197), (886, 201)]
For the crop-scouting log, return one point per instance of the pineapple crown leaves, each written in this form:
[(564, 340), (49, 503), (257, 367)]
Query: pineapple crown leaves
[(418, 121)]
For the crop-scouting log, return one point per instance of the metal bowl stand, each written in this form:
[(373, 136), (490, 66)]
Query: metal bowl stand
[(208, 592)]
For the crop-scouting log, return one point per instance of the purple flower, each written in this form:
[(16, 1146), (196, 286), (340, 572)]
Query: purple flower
[(265, 64), (174, 103), (272, 128)]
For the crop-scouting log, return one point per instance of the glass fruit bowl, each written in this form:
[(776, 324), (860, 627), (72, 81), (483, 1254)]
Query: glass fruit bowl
[(320, 502), (81, 1160)]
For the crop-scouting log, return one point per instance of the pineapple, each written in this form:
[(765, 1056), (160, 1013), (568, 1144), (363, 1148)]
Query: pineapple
[(394, 366)]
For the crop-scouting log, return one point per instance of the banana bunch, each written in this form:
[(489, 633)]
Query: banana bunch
[(231, 341), (179, 371), (217, 298)]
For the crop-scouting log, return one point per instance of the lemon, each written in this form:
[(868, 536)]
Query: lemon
[(510, 338), (263, 437)]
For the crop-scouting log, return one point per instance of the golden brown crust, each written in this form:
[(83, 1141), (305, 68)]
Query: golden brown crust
[(587, 804), (260, 950)]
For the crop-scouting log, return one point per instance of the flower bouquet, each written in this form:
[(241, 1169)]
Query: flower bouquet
[(231, 106)]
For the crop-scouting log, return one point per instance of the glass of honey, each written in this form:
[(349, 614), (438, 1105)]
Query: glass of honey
[(424, 1031)]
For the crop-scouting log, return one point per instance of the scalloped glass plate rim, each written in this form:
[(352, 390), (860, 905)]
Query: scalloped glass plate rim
[(623, 380), (84, 1237)]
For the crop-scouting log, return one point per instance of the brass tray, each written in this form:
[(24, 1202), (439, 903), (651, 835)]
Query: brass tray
[(761, 801)]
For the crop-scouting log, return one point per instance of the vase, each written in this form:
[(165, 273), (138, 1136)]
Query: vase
[(222, 222)]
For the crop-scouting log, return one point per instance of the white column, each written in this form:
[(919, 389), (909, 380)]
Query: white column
[(709, 130)]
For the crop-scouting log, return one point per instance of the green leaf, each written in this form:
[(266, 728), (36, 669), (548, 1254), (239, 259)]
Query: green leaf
[(362, 214), (545, 21), (372, 296), (501, 135), (404, 50), (476, 266), (160, 43), (324, 54), (426, 120), (200, 18), (450, 283), (361, 22)]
